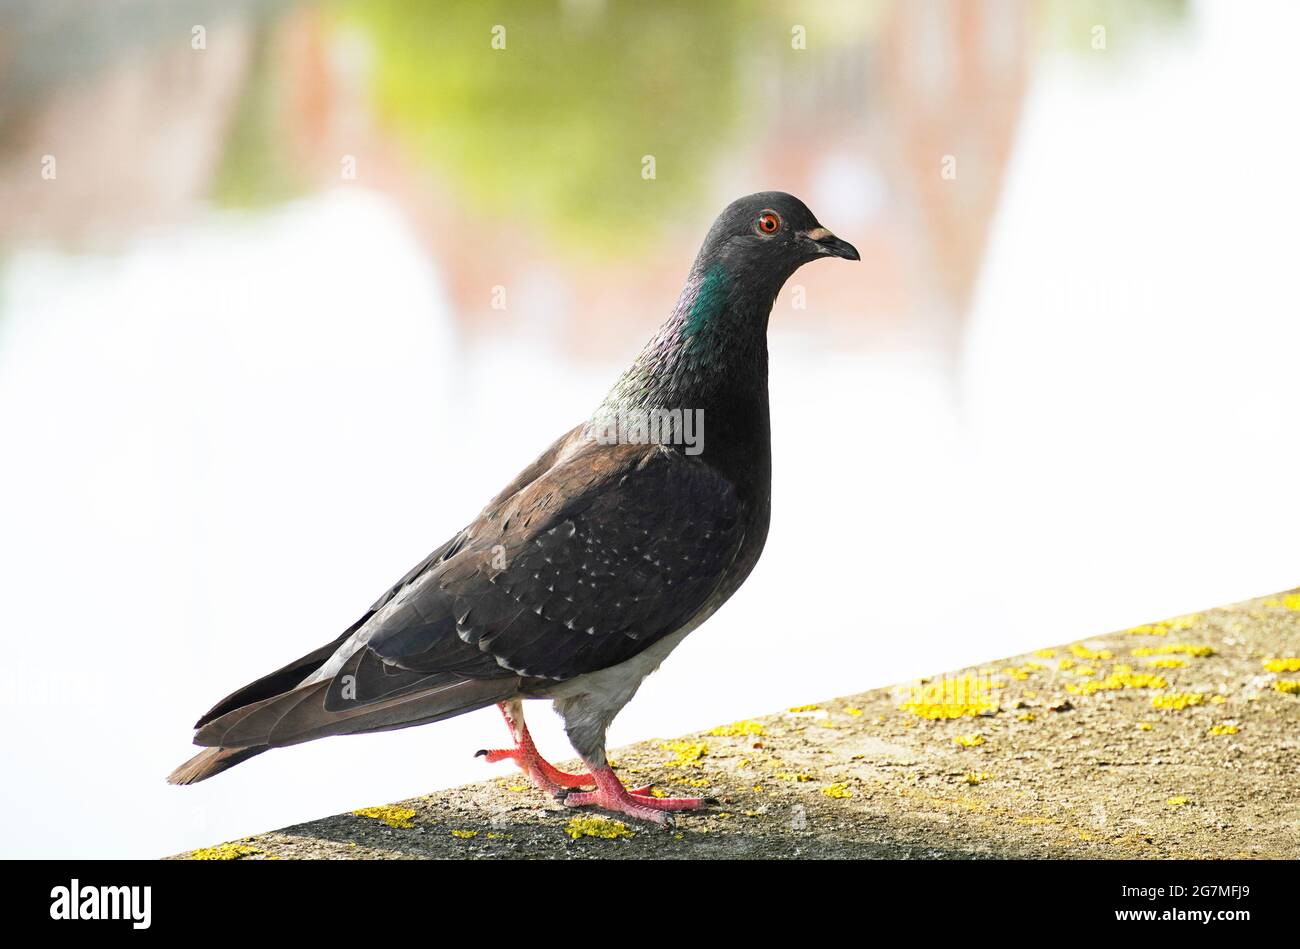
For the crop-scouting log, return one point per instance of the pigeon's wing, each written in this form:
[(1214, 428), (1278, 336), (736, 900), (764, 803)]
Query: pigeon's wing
[(582, 569), (289, 676)]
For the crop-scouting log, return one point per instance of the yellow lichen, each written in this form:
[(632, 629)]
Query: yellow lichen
[(805, 708), (1122, 678), (1178, 649), (688, 753), (1289, 601), (1148, 629), (837, 790), (975, 777), (1224, 728), (1177, 801), (935, 711), (792, 776), (739, 729), (969, 741), (1083, 652), (601, 828), (1287, 686), (229, 851), (1285, 664), (1166, 663), (1178, 700), (1164, 627), (1145, 726), (1025, 717), (959, 697), (403, 818), (1045, 653), (464, 834), (852, 711)]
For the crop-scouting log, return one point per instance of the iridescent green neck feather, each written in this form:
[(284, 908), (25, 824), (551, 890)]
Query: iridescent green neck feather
[(711, 350), (703, 317)]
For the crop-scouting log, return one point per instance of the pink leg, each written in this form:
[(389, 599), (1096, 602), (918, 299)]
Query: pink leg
[(612, 796), (525, 754)]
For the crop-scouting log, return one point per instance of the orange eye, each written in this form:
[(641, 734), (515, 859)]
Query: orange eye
[(769, 222)]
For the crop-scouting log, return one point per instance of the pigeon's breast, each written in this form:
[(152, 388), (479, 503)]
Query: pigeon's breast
[(608, 690)]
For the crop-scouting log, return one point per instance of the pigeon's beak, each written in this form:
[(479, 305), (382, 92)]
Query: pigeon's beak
[(828, 243)]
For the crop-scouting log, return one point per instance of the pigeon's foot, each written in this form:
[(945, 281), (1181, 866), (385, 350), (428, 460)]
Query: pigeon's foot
[(611, 795), (540, 771), (544, 774), (525, 754)]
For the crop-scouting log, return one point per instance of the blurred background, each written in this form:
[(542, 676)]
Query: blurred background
[(288, 290)]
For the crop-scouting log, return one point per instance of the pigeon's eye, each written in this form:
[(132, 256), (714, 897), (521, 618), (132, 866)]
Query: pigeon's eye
[(769, 222)]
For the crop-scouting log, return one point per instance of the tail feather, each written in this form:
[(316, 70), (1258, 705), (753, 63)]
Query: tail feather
[(281, 680), (252, 724), (211, 761), (301, 715)]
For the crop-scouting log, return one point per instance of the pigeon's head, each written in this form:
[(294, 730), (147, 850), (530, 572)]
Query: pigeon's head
[(712, 351), (770, 235)]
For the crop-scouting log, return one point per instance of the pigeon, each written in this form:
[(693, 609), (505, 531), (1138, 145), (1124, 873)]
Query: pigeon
[(577, 580)]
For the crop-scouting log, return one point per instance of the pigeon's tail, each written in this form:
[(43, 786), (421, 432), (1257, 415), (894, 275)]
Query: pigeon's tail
[(303, 714), (211, 761)]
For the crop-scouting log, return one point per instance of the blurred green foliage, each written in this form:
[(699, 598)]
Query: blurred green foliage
[(254, 170), (552, 128), (1068, 24)]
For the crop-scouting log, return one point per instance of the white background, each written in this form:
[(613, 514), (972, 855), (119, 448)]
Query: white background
[(185, 504)]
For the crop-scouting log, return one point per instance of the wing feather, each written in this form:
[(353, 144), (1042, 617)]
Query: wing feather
[(589, 558), (589, 565)]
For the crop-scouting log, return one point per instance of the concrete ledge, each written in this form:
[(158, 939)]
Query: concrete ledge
[(1177, 739)]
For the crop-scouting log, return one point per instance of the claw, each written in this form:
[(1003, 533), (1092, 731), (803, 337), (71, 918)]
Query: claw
[(607, 791), (611, 795), (525, 754)]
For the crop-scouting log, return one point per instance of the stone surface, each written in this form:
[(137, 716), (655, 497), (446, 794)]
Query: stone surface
[(1105, 748)]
